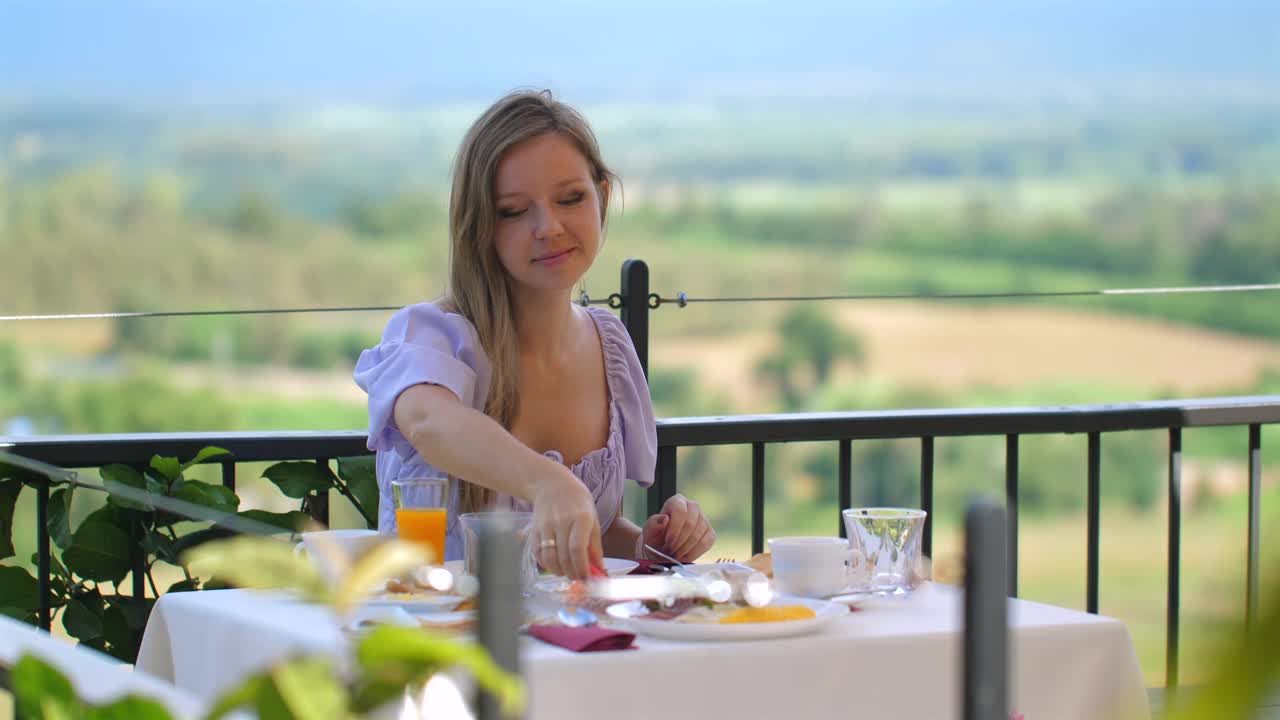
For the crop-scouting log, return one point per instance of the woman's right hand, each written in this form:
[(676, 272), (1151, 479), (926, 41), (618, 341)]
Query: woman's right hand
[(566, 527)]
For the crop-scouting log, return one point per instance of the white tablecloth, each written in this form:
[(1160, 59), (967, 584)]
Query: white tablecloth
[(97, 678), (895, 658)]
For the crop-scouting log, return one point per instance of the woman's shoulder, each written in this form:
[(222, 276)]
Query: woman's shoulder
[(622, 364), (428, 320)]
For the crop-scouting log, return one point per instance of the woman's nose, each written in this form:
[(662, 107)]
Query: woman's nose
[(547, 223)]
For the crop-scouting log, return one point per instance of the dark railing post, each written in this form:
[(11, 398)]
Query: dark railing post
[(42, 554), (986, 627), (926, 492), (1175, 540), (498, 612), (846, 483), (319, 508), (1255, 524), (1011, 507), (229, 474), (635, 307), (664, 481), (1093, 530), (757, 498), (137, 557)]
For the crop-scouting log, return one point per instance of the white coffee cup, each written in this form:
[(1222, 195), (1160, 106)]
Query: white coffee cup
[(334, 551), (810, 566)]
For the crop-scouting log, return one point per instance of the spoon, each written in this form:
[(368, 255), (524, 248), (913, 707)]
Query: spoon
[(576, 617)]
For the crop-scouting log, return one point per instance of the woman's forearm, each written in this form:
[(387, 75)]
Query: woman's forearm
[(622, 539), (466, 443)]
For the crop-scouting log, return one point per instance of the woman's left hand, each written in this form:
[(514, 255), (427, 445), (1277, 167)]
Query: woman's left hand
[(680, 530)]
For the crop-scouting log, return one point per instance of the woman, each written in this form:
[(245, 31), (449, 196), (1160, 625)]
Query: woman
[(504, 383)]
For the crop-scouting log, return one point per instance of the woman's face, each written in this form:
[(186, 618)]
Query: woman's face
[(548, 213)]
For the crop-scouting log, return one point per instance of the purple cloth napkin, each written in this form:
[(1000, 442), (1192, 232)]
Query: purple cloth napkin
[(583, 639)]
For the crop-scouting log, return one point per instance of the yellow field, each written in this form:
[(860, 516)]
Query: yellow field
[(952, 347)]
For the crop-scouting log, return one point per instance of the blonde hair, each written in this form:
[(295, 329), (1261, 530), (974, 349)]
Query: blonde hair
[(479, 288)]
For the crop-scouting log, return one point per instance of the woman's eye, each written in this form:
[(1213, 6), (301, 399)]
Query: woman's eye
[(509, 212), (573, 199)]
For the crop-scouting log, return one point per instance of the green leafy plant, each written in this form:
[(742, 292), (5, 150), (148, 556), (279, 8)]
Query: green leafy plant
[(388, 661), (130, 533)]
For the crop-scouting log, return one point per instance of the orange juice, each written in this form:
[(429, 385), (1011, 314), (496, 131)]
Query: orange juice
[(423, 525)]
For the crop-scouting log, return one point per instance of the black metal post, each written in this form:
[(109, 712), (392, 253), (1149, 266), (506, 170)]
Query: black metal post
[(137, 558), (665, 479), (986, 628), (320, 507), (229, 474), (635, 307), (757, 498), (1175, 540), (926, 492), (846, 483), (1011, 505), (498, 610), (1255, 524), (45, 614), (1093, 530)]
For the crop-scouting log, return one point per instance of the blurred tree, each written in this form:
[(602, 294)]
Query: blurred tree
[(811, 344)]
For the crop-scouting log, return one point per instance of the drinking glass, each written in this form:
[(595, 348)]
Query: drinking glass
[(421, 511), (885, 548)]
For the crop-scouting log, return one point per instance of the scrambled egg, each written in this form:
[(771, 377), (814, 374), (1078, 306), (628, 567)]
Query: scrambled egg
[(772, 613)]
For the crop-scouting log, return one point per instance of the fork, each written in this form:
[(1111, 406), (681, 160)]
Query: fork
[(679, 567)]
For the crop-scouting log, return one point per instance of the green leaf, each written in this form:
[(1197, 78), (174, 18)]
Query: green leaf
[(310, 689), (122, 639), (204, 454), (21, 474), (83, 618), (168, 467), (257, 562), (59, 523), (196, 539), (122, 475), (215, 497), (41, 691), (361, 476), (136, 611), (257, 692), (386, 560), (9, 490), (297, 479), (25, 616), (184, 586), (109, 514), (99, 551), (410, 655), (160, 546), (130, 707), (293, 521), (18, 589)]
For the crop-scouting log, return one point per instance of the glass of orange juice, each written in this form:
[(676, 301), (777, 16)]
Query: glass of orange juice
[(421, 514)]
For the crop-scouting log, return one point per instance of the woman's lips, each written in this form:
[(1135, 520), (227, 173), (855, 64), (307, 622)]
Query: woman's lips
[(554, 258)]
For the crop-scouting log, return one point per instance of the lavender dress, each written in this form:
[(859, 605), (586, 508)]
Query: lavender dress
[(423, 344)]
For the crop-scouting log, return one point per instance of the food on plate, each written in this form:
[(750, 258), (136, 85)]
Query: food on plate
[(769, 613), (761, 562), (707, 612)]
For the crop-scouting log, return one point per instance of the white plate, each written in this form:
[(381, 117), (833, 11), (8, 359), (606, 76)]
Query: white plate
[(827, 612), (616, 567), (619, 566), (425, 603)]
